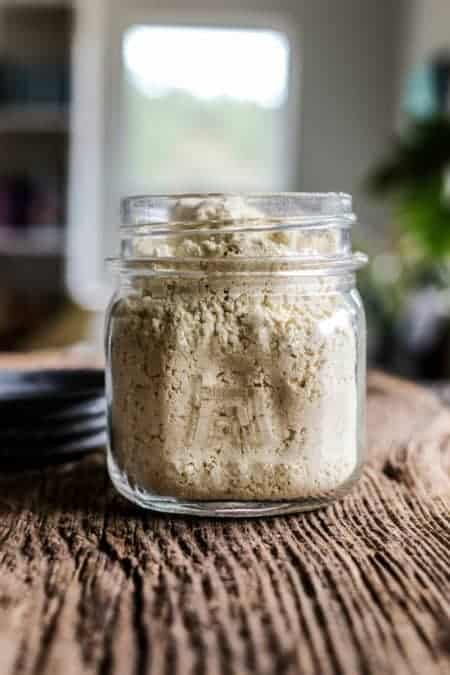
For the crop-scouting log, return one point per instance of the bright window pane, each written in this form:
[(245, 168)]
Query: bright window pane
[(204, 109)]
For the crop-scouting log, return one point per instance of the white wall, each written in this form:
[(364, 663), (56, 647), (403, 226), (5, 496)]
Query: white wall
[(426, 28), (347, 90)]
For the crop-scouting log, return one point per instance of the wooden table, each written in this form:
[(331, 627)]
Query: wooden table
[(89, 584)]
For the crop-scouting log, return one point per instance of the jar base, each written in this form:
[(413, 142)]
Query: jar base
[(222, 508)]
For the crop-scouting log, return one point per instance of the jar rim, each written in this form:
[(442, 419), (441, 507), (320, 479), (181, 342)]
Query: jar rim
[(306, 231), (154, 212)]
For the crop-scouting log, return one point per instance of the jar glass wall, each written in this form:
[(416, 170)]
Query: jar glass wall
[(236, 355)]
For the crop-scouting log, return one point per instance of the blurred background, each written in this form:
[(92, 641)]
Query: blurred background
[(103, 98)]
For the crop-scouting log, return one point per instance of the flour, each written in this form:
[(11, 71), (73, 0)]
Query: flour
[(234, 388), (207, 216)]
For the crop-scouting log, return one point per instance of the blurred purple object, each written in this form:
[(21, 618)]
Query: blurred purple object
[(26, 202), (45, 207), (15, 195), (5, 201), (22, 191)]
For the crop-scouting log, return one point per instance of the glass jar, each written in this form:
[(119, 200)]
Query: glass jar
[(235, 348)]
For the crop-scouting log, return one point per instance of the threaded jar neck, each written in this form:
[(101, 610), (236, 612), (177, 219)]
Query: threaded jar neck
[(298, 231)]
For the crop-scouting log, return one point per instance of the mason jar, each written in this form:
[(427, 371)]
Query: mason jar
[(235, 347)]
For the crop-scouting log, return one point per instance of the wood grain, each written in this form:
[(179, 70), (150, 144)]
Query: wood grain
[(88, 584)]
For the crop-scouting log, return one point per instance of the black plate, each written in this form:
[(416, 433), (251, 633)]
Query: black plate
[(67, 452), (37, 395), (36, 385), (82, 409), (73, 445), (18, 413), (41, 432)]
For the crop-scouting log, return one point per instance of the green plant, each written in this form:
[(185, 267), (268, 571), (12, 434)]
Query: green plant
[(417, 176)]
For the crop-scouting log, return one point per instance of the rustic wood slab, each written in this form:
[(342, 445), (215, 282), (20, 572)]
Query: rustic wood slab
[(89, 584)]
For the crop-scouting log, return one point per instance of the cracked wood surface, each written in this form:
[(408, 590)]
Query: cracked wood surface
[(89, 584)]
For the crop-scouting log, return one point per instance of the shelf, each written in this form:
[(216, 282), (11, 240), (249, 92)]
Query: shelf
[(34, 242), (33, 118), (42, 274), (36, 4)]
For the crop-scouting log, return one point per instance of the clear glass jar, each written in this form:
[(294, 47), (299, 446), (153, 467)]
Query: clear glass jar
[(235, 349)]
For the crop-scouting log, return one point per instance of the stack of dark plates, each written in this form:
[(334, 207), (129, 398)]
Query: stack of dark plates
[(50, 415)]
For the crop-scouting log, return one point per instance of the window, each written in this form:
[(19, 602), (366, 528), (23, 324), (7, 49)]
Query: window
[(204, 109)]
